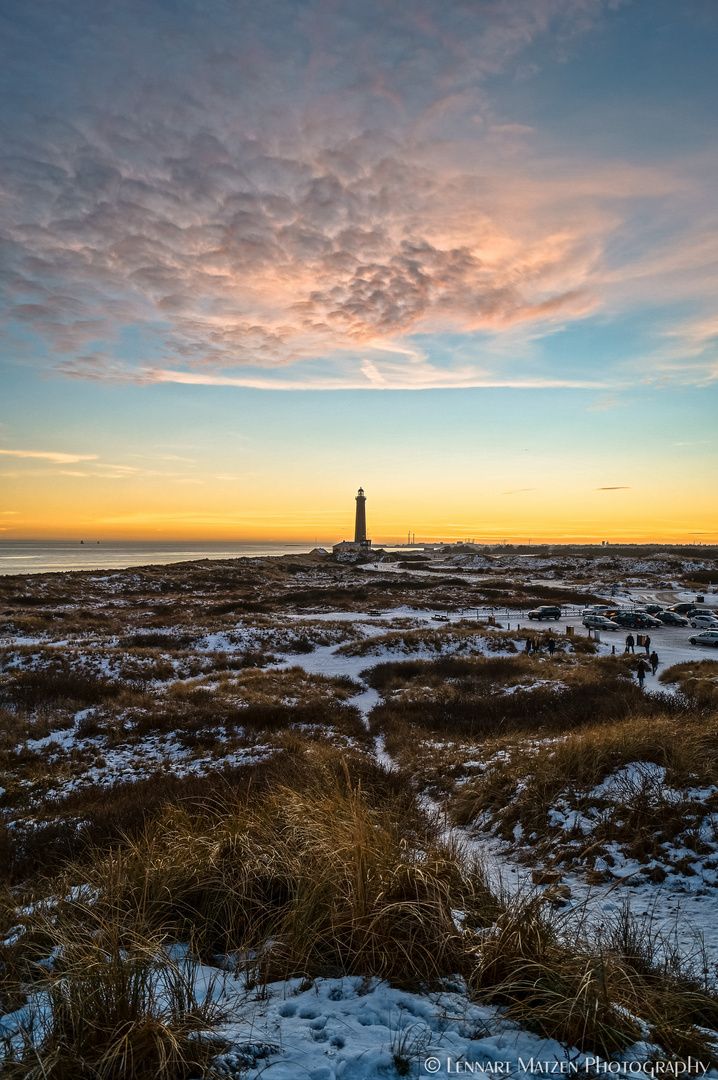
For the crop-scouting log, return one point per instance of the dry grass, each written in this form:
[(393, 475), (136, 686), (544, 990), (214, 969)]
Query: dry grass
[(316, 877), (698, 680), (316, 862), (591, 995), (113, 1006), (466, 698), (523, 784), (321, 867)]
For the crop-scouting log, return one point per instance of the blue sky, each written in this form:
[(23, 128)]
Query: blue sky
[(304, 237)]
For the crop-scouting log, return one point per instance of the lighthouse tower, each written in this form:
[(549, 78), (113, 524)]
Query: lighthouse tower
[(360, 543), (360, 520)]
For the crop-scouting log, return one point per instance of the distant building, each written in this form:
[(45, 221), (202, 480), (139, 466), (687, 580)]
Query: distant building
[(360, 542)]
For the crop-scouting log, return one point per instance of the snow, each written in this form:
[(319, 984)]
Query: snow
[(358, 1029), (355, 1029)]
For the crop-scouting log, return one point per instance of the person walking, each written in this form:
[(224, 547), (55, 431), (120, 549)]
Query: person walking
[(551, 646), (642, 669), (654, 661), (630, 642), (647, 643), (528, 645)]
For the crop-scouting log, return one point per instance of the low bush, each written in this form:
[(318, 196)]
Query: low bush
[(29, 689), (466, 697)]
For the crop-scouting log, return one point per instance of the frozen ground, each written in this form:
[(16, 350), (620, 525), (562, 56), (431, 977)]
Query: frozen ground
[(363, 1029), (682, 911), (353, 1029)]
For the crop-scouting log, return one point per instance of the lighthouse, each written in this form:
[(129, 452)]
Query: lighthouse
[(360, 520), (360, 542)]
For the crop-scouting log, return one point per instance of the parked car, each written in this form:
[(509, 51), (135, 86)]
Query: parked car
[(636, 620), (545, 611), (440, 618), (703, 621), (682, 609), (664, 584), (599, 622), (708, 637), (653, 609), (672, 618), (645, 620)]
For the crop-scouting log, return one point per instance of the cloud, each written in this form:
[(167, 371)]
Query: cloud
[(50, 455), (606, 401), (295, 183), (517, 491), (620, 487), (396, 377)]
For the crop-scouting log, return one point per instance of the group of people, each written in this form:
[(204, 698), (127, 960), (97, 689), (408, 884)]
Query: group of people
[(631, 642), (643, 667), (533, 645)]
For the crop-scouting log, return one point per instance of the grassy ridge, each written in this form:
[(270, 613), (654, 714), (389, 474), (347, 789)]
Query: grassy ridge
[(328, 867)]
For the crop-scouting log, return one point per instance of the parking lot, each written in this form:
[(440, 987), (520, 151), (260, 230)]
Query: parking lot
[(671, 643)]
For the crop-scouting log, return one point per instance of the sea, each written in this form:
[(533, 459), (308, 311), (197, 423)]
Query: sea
[(54, 556)]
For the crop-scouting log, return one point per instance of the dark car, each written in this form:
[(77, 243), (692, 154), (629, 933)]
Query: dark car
[(546, 611), (635, 620), (653, 609), (672, 618), (683, 609), (645, 620)]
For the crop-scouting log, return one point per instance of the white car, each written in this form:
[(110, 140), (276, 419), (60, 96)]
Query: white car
[(599, 622), (700, 622), (708, 637)]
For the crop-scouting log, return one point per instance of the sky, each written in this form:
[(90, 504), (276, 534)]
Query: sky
[(463, 253)]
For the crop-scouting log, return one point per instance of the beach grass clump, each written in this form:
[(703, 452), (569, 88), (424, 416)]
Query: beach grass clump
[(599, 995), (312, 878), (646, 783), (111, 1003), (697, 679)]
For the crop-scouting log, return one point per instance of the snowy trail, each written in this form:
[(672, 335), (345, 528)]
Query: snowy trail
[(686, 914)]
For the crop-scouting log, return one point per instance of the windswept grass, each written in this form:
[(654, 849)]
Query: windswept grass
[(697, 679), (113, 1005), (314, 878), (663, 769), (473, 697), (595, 996), (332, 869)]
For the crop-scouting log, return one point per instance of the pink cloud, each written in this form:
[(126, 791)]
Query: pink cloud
[(359, 196)]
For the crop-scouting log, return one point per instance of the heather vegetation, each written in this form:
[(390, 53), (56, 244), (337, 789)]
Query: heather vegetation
[(285, 772)]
